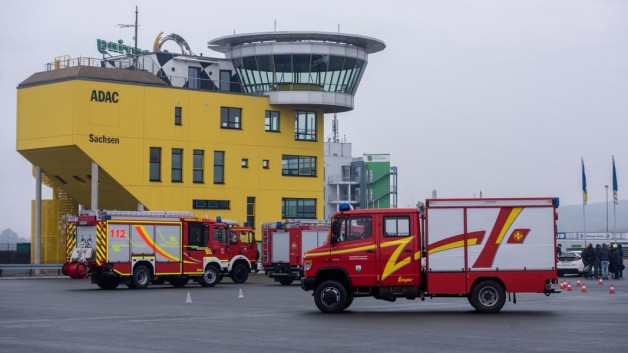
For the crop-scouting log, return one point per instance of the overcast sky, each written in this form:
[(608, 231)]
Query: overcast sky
[(497, 96)]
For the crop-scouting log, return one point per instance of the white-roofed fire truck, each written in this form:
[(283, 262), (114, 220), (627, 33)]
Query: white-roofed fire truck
[(283, 246), (140, 247), (478, 249)]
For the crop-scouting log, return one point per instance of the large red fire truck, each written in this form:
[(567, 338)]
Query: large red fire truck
[(137, 247), (480, 249), (283, 246)]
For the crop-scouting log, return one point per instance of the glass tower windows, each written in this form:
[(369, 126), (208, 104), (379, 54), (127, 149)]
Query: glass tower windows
[(299, 72)]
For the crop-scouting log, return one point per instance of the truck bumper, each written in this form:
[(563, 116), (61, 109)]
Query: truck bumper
[(308, 284)]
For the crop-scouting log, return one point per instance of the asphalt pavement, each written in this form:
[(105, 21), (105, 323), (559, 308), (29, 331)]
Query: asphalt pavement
[(63, 315)]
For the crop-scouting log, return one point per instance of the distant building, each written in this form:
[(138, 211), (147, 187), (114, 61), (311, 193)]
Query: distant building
[(364, 182)]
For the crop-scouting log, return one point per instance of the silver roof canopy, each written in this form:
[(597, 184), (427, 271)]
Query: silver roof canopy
[(226, 43)]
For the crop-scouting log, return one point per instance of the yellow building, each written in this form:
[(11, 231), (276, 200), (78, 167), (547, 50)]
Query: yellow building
[(240, 137)]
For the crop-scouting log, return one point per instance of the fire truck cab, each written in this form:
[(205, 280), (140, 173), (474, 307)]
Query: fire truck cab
[(478, 249)]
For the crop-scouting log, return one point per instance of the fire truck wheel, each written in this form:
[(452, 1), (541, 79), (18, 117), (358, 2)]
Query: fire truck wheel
[(488, 296), (349, 301), (239, 273), (331, 297), (141, 277), (286, 281), (210, 277), (108, 283), (178, 282)]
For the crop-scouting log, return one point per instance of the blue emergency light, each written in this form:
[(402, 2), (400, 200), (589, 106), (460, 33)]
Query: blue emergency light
[(344, 207)]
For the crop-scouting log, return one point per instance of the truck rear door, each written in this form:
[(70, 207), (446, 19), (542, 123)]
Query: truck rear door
[(446, 247), (399, 252)]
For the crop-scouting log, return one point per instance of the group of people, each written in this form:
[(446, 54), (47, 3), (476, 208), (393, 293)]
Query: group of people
[(601, 260)]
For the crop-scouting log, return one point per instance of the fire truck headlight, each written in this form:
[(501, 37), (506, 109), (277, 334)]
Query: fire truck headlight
[(307, 264)]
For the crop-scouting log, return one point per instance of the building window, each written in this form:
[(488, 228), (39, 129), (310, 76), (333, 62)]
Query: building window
[(265, 164), (272, 121), (225, 80), (305, 125), (245, 162), (194, 77), (177, 115), (177, 165), (250, 211), (298, 208), (197, 166), (219, 167), (298, 165), (230, 118), (155, 164), (211, 204)]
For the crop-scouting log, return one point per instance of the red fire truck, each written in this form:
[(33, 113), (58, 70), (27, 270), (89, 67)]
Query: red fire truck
[(137, 247), (283, 246), (480, 249)]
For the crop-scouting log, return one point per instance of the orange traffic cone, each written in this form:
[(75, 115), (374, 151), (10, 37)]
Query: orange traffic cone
[(563, 284), (569, 287), (578, 283), (600, 282), (612, 290), (584, 288)]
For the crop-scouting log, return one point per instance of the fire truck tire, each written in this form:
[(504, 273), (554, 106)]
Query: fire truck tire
[(141, 277), (331, 297), (178, 282), (108, 283), (239, 273), (349, 301), (210, 277), (488, 296), (286, 281)]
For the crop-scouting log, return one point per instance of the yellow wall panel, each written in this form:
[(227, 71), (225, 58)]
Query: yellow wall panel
[(44, 115)]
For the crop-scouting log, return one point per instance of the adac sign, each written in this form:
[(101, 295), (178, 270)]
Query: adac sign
[(104, 96)]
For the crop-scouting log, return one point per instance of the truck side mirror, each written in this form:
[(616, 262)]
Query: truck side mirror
[(335, 229)]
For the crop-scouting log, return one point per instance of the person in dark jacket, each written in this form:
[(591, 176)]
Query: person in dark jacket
[(616, 260), (605, 257), (588, 259), (598, 270), (621, 261)]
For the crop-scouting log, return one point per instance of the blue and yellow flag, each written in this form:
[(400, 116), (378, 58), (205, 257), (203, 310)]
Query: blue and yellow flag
[(585, 197), (615, 199)]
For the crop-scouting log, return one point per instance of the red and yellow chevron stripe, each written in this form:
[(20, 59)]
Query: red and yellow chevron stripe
[(101, 243), (70, 240)]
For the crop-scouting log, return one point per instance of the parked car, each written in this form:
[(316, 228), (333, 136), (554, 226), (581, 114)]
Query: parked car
[(570, 263)]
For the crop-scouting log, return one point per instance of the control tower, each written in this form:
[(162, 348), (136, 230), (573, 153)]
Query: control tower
[(316, 69)]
